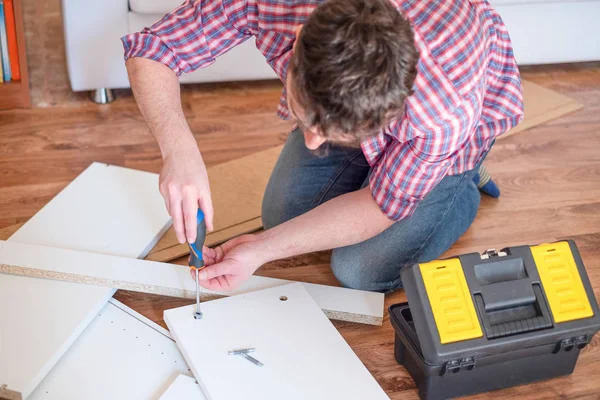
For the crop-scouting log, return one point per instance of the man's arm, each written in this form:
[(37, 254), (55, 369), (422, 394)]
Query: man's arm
[(190, 37), (183, 180), (345, 220)]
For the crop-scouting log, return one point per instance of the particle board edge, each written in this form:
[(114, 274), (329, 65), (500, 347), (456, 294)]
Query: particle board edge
[(169, 279)]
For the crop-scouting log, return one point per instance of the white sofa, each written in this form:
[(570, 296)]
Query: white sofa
[(543, 31)]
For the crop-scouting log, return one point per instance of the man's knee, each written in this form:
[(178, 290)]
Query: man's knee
[(272, 209), (357, 272), (280, 204)]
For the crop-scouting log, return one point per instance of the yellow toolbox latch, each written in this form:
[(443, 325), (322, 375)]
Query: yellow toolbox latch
[(451, 301), (562, 283)]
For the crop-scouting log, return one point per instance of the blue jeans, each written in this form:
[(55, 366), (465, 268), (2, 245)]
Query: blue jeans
[(302, 180)]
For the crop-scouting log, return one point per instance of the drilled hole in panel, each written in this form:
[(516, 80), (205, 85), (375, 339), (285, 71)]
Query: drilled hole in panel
[(283, 298)]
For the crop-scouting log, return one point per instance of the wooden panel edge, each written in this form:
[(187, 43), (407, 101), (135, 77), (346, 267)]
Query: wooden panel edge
[(212, 239)]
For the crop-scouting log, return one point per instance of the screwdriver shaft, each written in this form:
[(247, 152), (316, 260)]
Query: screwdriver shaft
[(198, 313)]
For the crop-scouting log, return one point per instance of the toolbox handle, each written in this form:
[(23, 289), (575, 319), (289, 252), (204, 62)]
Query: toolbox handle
[(508, 321)]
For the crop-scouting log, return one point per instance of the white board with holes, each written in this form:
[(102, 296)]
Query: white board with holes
[(117, 357), (106, 209), (304, 355)]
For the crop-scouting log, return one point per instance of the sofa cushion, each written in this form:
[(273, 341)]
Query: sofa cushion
[(154, 6)]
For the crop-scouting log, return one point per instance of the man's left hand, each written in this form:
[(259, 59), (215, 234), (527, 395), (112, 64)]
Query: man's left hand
[(230, 265)]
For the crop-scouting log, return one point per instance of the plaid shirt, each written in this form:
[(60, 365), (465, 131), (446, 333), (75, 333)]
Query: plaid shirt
[(467, 90)]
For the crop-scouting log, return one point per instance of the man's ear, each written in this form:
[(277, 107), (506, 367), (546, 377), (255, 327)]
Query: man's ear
[(297, 32), (313, 141)]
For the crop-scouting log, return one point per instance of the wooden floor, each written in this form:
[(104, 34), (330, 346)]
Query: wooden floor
[(549, 177)]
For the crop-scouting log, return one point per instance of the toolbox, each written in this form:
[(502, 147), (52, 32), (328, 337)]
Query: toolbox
[(479, 322)]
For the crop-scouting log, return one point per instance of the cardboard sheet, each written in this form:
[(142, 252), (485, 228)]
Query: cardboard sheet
[(542, 105)]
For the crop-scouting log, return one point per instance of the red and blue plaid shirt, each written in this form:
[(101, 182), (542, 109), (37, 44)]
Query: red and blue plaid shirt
[(467, 90)]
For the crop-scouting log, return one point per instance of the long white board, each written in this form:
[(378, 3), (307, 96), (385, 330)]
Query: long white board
[(168, 279), (304, 356), (106, 209)]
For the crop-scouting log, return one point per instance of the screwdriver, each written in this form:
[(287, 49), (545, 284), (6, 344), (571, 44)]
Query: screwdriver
[(196, 262)]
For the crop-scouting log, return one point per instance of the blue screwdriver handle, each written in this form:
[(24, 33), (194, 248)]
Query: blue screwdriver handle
[(196, 260)]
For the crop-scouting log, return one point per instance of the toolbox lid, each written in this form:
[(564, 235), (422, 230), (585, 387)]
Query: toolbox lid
[(476, 305)]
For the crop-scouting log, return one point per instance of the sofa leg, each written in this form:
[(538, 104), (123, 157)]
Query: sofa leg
[(102, 96)]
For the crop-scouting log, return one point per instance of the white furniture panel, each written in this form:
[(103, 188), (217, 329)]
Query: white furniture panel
[(106, 209), (117, 357), (304, 355)]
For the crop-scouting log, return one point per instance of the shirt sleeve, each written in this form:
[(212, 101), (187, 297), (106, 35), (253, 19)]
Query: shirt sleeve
[(423, 146), (191, 36), (406, 173), (503, 106)]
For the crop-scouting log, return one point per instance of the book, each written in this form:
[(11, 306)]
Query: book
[(4, 45), (11, 34), (1, 70)]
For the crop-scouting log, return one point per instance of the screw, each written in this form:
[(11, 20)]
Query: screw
[(240, 351), (252, 359)]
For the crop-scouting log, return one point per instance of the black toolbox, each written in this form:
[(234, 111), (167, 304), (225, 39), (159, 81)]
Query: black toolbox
[(480, 322)]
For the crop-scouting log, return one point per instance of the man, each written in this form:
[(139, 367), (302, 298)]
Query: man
[(403, 98)]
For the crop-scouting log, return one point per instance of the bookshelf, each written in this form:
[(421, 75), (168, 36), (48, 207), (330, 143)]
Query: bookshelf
[(16, 94)]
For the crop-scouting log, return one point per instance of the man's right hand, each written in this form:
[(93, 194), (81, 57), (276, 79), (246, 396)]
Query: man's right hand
[(184, 185)]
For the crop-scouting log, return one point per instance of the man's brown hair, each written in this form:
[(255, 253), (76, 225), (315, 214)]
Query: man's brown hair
[(353, 66)]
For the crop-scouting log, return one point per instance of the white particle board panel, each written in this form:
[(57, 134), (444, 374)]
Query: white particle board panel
[(106, 209), (39, 321), (184, 388), (117, 357), (168, 279), (304, 356)]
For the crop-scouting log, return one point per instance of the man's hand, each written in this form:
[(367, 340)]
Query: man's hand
[(184, 185), (345, 220), (231, 264)]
